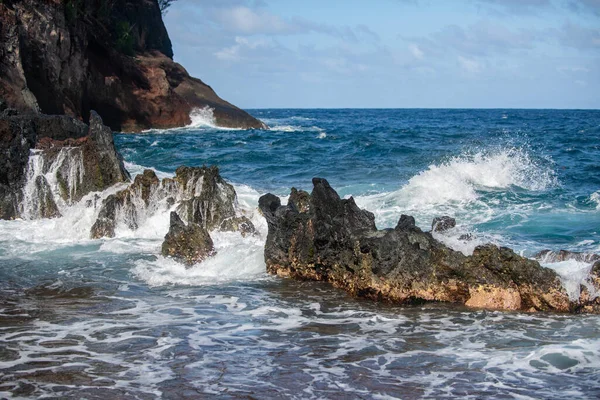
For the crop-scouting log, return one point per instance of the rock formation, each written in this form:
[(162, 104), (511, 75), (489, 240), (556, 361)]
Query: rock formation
[(188, 244), (46, 160), (322, 237), (115, 57), (199, 194), (442, 224)]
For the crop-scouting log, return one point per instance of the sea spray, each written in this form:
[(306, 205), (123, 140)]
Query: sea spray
[(53, 180), (202, 117)]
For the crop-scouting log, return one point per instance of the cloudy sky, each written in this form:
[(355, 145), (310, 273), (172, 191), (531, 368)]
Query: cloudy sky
[(392, 53)]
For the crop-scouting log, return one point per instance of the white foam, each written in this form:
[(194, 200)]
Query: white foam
[(573, 274), (136, 169), (459, 179), (595, 197), (296, 128), (202, 117)]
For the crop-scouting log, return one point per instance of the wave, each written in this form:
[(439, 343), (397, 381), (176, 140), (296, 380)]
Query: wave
[(202, 117), (461, 178), (465, 187), (296, 128), (595, 198)]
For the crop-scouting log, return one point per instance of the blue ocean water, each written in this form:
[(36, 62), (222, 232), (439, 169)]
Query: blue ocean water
[(112, 318)]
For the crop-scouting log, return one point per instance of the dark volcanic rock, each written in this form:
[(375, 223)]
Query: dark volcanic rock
[(189, 244), (81, 159), (69, 57), (333, 240), (442, 224), (126, 205), (201, 195)]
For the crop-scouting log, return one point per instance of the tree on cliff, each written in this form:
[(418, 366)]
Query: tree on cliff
[(164, 4)]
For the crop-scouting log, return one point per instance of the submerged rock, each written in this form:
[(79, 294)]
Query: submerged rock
[(200, 194), (189, 244), (46, 160), (442, 224), (334, 240)]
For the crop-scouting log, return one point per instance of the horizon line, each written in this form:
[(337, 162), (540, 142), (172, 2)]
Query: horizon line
[(421, 108)]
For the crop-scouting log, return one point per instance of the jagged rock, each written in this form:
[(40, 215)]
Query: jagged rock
[(201, 195), (299, 199), (565, 255), (208, 199), (125, 204), (335, 241), (238, 224), (442, 224), (189, 244), (75, 157), (46, 206), (69, 57)]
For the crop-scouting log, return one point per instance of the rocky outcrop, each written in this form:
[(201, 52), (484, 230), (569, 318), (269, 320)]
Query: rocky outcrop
[(69, 57), (188, 244), (50, 160), (199, 194), (323, 237), (442, 224)]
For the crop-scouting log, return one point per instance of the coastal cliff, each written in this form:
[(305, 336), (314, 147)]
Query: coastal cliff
[(115, 57)]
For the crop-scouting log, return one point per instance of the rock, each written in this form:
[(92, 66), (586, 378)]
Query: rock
[(128, 205), (442, 224), (334, 240), (238, 224), (69, 57), (550, 256), (74, 159), (200, 194), (189, 244)]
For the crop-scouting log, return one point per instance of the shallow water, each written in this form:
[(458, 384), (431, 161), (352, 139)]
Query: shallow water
[(113, 319)]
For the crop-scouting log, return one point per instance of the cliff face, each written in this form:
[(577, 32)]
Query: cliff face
[(113, 56)]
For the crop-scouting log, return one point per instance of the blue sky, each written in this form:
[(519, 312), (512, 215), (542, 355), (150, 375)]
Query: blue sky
[(392, 53)]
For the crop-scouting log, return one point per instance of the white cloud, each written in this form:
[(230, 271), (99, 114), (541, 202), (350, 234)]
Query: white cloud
[(469, 65), (575, 69), (416, 51)]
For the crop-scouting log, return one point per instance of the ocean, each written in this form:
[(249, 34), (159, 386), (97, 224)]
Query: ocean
[(111, 318)]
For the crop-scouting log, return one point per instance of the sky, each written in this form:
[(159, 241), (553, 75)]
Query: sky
[(392, 53)]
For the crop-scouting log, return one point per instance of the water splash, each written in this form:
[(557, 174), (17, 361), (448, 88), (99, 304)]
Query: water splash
[(51, 182), (202, 117), (461, 178)]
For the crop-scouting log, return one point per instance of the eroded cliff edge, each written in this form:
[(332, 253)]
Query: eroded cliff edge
[(113, 56)]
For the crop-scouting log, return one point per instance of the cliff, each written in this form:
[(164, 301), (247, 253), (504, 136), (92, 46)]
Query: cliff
[(113, 56)]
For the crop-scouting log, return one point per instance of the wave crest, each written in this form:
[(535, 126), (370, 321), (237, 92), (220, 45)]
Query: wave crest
[(460, 178)]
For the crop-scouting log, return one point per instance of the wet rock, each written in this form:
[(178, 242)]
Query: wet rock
[(550, 256), (200, 194), (188, 244), (238, 224), (126, 205), (46, 207), (75, 157), (334, 240), (442, 224)]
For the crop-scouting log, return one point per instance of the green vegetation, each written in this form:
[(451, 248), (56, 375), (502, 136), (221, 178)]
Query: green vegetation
[(164, 4), (124, 42), (73, 9)]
